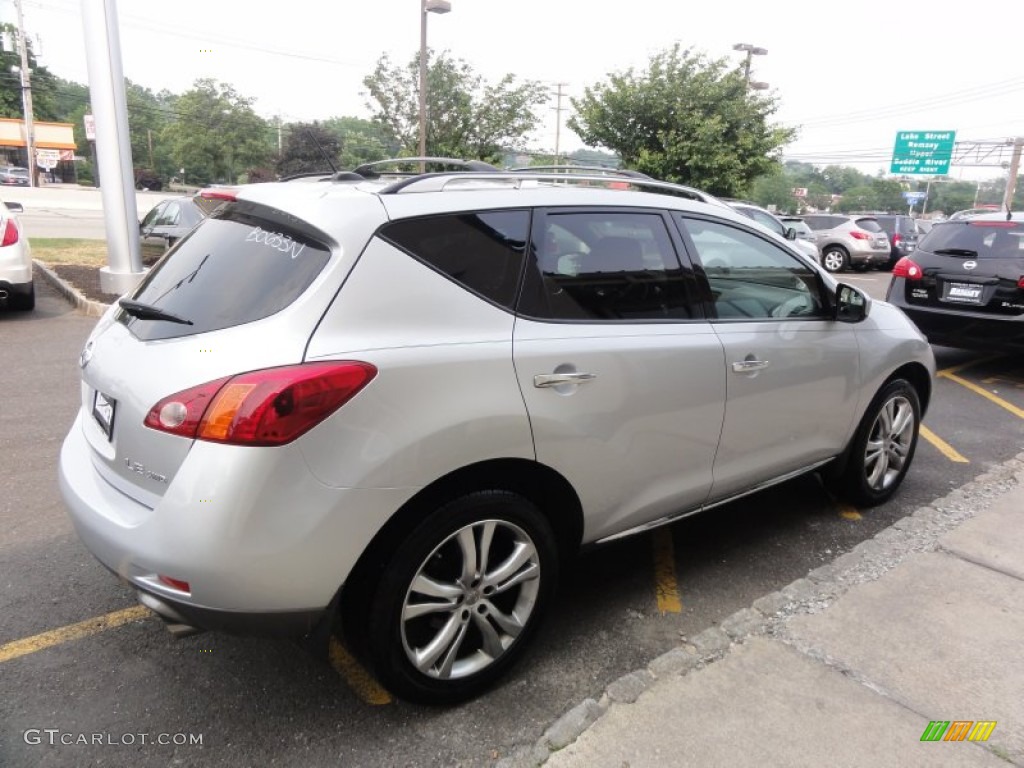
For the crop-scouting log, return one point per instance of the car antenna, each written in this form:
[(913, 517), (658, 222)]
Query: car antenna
[(323, 151)]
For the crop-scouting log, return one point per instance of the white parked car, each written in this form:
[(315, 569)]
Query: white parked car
[(404, 403), (17, 290)]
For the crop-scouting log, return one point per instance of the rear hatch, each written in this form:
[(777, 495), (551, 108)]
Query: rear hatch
[(243, 291), (972, 264), (872, 232)]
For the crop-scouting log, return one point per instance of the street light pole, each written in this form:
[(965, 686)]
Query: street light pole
[(26, 99), (752, 51), (426, 6)]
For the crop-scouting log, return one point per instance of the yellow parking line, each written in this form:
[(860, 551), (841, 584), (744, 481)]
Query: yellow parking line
[(965, 366), (665, 573), (71, 632), (1018, 412), (358, 679), (848, 512), (944, 448)]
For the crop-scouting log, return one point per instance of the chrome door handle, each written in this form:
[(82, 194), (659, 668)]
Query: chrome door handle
[(749, 366), (542, 380)]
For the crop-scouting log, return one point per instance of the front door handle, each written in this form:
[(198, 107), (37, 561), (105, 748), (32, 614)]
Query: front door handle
[(749, 366), (543, 380)]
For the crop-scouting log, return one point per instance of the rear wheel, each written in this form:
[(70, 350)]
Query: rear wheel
[(834, 258), (461, 597), (883, 446)]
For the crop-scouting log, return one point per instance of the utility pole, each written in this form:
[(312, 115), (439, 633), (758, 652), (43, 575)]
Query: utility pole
[(1011, 180), (558, 121), (26, 98), (149, 137)]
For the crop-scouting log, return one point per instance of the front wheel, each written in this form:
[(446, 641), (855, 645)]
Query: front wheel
[(834, 259), (883, 446), (461, 597)]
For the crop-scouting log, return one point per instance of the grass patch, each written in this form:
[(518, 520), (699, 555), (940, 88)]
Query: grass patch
[(70, 250)]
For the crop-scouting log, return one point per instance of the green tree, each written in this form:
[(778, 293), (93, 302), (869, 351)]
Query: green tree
[(361, 141), (863, 197), (148, 115), (216, 134), (308, 147), (889, 195), (686, 118), (44, 84), (775, 189), (840, 178), (466, 116)]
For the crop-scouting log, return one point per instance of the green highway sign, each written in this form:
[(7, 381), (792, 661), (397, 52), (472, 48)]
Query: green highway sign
[(922, 152)]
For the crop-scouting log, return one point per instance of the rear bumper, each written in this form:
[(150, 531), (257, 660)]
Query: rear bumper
[(968, 330), (266, 557)]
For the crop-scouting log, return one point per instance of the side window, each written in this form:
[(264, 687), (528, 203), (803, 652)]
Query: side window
[(481, 251), (169, 216), (750, 278), (770, 222), (604, 266), (153, 215)]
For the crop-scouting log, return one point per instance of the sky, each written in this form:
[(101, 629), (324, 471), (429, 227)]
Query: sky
[(849, 77)]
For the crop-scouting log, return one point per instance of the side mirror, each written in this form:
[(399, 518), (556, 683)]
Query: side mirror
[(851, 304), (790, 233), (15, 207)]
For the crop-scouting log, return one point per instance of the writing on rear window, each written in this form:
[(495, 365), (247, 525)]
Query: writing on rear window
[(276, 240)]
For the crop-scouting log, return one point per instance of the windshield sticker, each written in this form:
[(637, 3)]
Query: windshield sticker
[(276, 240)]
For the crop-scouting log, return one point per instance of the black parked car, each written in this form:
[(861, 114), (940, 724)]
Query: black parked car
[(964, 285), (165, 224), (903, 234)]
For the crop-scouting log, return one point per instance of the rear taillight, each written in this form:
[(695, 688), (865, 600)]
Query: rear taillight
[(268, 407), (860, 235), (10, 233), (228, 194), (907, 268), (1020, 283), (896, 238)]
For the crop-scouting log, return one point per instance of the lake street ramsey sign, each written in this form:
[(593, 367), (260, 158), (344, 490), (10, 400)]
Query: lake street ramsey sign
[(922, 152)]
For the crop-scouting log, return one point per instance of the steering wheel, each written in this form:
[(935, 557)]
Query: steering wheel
[(800, 304)]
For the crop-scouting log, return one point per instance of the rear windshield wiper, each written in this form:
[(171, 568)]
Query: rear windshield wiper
[(957, 252), (149, 312)]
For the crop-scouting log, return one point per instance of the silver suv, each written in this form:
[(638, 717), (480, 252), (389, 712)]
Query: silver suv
[(849, 240), (394, 408)]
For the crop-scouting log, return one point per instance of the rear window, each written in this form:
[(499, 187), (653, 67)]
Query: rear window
[(871, 225), (244, 263), (980, 239), (481, 251)]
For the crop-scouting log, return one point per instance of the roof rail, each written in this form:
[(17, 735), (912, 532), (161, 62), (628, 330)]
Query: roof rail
[(369, 170), (439, 182), (585, 169)]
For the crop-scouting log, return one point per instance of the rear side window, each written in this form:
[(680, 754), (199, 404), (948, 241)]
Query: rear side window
[(977, 239), (481, 251), (243, 264), (605, 266), (871, 225), (823, 222)]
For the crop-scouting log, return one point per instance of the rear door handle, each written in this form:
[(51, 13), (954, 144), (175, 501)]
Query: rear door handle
[(749, 366), (543, 380)]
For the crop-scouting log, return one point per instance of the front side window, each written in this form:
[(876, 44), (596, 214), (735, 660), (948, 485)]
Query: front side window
[(481, 251), (606, 266), (751, 278)]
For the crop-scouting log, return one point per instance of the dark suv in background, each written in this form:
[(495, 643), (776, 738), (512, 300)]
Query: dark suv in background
[(903, 233)]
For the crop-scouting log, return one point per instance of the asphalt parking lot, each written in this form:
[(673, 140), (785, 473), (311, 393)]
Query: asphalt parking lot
[(80, 661)]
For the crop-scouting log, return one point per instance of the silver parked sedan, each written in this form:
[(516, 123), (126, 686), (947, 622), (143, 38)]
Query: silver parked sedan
[(403, 403)]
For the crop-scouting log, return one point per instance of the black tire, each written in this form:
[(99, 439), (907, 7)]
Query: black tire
[(834, 258), (23, 302), (882, 448), (468, 617)]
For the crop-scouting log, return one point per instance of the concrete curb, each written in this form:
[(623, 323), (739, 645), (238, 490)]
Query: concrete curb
[(69, 292), (769, 615)]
